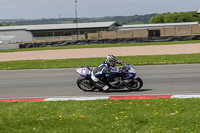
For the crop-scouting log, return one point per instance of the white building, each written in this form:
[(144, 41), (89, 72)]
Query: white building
[(12, 34)]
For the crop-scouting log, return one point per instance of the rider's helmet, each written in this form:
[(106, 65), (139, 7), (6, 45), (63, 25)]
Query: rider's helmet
[(111, 59)]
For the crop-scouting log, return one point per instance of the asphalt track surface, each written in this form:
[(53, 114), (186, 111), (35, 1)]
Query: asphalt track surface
[(158, 79)]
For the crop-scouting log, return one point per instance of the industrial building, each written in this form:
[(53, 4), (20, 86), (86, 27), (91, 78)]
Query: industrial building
[(12, 34), (95, 30), (156, 29)]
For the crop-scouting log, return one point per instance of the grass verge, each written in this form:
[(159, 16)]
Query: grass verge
[(102, 116), (92, 62), (101, 45)]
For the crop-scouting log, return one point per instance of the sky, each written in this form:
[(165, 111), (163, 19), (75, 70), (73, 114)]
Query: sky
[(38, 9)]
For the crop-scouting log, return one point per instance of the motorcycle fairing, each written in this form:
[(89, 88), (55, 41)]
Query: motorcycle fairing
[(84, 72)]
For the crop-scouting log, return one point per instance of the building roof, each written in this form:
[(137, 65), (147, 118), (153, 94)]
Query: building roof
[(198, 11), (145, 26), (60, 26)]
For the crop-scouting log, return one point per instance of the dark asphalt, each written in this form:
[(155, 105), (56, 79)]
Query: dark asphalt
[(158, 79)]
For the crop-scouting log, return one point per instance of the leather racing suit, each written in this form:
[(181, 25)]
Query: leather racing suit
[(99, 73)]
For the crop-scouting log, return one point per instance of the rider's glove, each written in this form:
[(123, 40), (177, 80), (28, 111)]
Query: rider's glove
[(120, 62)]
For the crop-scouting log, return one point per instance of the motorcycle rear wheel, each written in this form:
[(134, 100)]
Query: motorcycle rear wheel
[(85, 84), (136, 84)]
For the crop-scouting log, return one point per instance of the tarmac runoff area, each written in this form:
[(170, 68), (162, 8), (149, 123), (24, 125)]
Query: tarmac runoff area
[(98, 98), (101, 52)]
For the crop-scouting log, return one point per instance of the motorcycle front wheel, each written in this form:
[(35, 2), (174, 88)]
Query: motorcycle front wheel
[(135, 84), (85, 84)]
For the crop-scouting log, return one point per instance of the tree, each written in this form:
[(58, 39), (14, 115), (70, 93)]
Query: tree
[(175, 17)]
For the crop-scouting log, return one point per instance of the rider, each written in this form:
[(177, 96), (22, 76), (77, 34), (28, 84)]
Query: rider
[(102, 70)]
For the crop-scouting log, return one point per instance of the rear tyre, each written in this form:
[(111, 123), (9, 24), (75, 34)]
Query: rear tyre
[(135, 84), (85, 84)]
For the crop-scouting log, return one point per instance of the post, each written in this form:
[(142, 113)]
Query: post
[(76, 18)]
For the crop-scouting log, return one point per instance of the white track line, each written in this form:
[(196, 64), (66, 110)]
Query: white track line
[(106, 97), (185, 96), (76, 98)]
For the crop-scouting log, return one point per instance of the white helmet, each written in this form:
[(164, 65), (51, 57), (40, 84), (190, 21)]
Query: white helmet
[(111, 59)]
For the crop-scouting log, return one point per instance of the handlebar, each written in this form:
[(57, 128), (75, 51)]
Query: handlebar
[(123, 66)]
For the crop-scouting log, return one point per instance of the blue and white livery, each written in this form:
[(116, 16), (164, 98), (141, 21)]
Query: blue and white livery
[(118, 78)]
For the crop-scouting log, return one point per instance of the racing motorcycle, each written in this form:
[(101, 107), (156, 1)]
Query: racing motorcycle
[(119, 77)]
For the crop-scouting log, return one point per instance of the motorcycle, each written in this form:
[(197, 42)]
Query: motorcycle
[(119, 77)]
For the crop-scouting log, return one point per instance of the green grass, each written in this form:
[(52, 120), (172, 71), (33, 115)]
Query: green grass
[(102, 116), (92, 62), (101, 45)]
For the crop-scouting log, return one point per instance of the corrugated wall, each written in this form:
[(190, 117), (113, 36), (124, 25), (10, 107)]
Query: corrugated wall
[(16, 36)]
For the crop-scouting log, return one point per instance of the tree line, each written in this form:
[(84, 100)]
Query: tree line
[(8, 24), (175, 17), (136, 19), (124, 20)]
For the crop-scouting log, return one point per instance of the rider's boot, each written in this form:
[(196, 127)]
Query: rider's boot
[(105, 88), (102, 86)]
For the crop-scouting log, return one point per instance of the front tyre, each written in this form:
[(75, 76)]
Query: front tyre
[(135, 84), (85, 84)]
